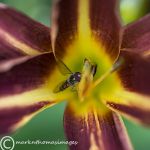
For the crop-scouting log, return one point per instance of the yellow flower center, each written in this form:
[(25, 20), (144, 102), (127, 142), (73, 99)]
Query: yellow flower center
[(91, 91)]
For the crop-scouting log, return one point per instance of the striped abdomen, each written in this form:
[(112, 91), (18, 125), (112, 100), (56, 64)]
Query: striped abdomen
[(64, 85)]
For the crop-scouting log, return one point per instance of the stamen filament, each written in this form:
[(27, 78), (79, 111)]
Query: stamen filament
[(99, 80), (111, 70)]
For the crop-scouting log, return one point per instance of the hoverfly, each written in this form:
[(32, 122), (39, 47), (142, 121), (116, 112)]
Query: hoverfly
[(71, 81)]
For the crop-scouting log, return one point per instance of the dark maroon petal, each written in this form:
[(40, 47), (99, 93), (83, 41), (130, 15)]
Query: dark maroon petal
[(15, 117), (136, 36), (105, 24), (76, 22), (28, 75), (26, 86), (135, 73), (8, 52), (137, 113), (64, 24), (22, 34), (133, 102), (96, 131)]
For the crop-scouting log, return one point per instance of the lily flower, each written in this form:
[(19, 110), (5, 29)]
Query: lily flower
[(86, 36)]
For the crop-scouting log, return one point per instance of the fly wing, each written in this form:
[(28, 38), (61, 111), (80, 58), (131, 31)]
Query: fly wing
[(63, 68), (58, 87)]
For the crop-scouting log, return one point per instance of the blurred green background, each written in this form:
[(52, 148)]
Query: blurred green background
[(48, 125)]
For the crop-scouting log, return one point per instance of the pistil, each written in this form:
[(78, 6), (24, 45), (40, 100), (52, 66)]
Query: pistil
[(87, 85)]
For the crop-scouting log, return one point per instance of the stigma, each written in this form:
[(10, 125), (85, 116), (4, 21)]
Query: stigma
[(85, 84)]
